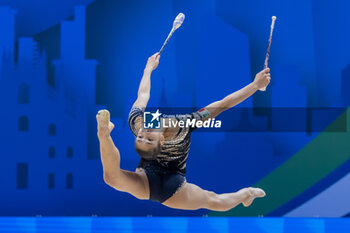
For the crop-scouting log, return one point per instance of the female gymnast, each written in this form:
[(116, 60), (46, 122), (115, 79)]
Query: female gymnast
[(160, 175)]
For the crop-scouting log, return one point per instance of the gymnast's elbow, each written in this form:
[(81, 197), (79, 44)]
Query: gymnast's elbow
[(106, 179), (109, 179)]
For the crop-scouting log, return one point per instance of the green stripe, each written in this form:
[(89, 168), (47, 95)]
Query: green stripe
[(308, 166)]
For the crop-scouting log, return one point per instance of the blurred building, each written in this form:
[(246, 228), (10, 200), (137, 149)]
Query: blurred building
[(45, 127)]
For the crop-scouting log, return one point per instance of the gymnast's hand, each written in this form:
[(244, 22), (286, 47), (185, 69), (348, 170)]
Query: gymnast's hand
[(262, 79), (152, 62)]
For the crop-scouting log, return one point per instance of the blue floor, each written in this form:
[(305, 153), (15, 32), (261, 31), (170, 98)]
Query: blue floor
[(172, 224)]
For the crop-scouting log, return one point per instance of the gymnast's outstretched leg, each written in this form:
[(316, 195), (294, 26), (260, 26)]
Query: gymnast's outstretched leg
[(192, 197), (135, 183)]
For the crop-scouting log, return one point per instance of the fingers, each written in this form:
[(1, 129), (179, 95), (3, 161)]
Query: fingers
[(265, 71), (268, 77), (155, 56)]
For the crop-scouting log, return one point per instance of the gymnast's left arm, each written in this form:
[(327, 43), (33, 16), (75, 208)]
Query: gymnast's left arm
[(262, 79)]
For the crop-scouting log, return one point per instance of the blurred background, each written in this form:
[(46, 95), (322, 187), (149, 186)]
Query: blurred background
[(63, 60)]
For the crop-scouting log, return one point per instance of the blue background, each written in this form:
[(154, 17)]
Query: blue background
[(168, 224), (62, 61)]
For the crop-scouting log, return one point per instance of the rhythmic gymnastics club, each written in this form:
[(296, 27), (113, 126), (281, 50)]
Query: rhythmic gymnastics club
[(268, 48), (177, 23)]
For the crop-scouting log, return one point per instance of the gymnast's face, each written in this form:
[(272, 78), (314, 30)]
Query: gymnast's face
[(148, 142)]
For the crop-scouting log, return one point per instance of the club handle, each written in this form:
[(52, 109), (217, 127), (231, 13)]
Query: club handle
[(166, 41), (161, 49)]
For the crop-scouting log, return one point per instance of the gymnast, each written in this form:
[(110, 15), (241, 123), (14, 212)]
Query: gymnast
[(160, 175)]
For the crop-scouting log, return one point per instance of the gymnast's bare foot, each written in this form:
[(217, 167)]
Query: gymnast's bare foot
[(252, 194), (104, 126)]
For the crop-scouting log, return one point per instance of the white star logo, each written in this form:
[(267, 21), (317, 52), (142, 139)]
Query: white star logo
[(156, 115)]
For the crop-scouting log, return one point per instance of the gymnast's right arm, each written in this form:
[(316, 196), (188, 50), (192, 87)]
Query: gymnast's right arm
[(145, 85), (262, 79)]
